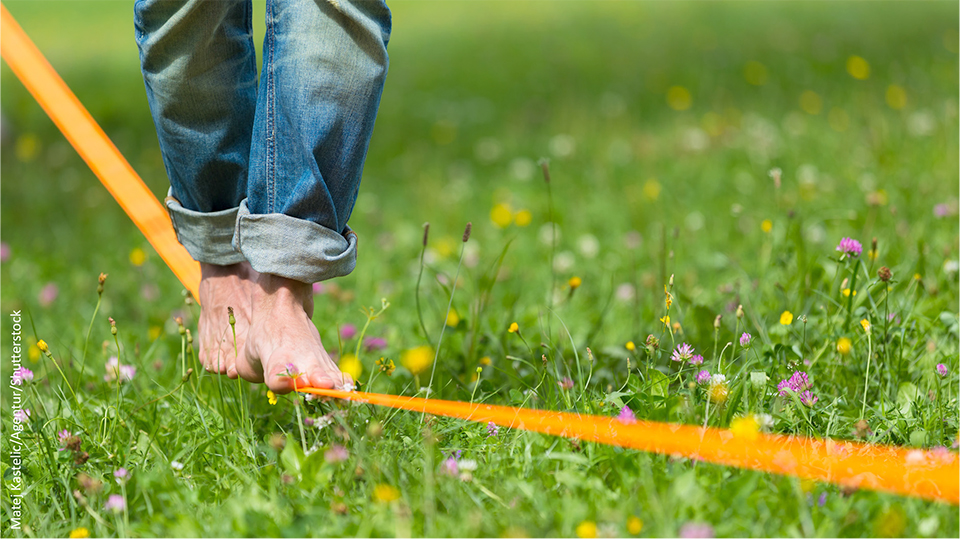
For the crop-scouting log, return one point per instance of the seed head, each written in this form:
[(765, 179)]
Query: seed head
[(100, 280), (426, 233), (466, 232), (545, 167), (884, 274)]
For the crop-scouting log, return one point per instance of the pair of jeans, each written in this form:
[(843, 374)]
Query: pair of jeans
[(266, 171)]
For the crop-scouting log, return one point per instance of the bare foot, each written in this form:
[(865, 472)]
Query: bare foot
[(283, 339), (222, 287)]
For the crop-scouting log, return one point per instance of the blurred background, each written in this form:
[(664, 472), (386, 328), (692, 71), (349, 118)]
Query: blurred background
[(661, 122)]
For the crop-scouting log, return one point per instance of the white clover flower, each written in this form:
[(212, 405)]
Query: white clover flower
[(176, 465)]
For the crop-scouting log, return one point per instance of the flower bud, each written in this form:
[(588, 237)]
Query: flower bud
[(740, 311), (230, 317), (716, 322), (113, 326), (884, 274), (42, 345)]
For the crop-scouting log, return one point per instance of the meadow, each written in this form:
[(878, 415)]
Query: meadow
[(785, 171)]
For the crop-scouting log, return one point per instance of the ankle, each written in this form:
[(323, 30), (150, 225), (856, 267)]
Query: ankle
[(208, 270), (279, 285)]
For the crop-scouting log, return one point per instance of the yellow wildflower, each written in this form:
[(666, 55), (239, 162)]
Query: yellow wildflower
[(846, 292), (418, 359), (844, 345), (501, 215), (485, 361), (766, 225), (677, 327), (866, 325), (786, 318), (575, 282), (453, 318), (523, 218), (386, 365), (718, 389), (631, 346), (138, 257), (514, 328), (271, 397), (665, 320), (385, 493), (351, 365), (858, 68), (634, 525), (669, 296), (916, 277), (587, 529), (746, 427), (811, 102), (42, 345), (34, 353), (80, 532), (679, 98), (896, 97), (651, 189)]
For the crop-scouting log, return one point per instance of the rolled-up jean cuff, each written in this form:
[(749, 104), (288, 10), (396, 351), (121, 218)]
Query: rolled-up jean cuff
[(207, 236), (294, 248)]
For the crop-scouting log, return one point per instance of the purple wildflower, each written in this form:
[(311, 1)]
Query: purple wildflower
[(850, 247), (374, 343), (4, 252), (696, 360), (941, 370), (682, 352), (941, 210), (22, 374), (703, 377), (115, 503), (308, 421), (694, 529), (336, 454), (566, 383), (745, 340), (21, 415), (492, 430), (347, 331), (115, 369), (823, 499), (121, 474), (63, 435), (48, 294), (808, 399), (318, 288), (450, 466), (798, 382), (626, 416)]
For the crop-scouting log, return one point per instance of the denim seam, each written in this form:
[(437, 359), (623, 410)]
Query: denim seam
[(271, 165)]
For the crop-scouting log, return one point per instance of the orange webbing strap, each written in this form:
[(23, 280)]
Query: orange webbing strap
[(920, 473), (95, 148)]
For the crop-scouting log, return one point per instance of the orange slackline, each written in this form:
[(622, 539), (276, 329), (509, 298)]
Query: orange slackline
[(920, 473), (95, 148)]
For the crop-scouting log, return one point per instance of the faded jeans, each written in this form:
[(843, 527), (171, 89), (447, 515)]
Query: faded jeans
[(265, 172)]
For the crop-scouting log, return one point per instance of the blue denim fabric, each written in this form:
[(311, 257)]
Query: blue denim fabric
[(268, 171)]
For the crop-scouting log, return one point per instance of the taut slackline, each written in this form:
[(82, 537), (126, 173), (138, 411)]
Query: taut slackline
[(920, 473)]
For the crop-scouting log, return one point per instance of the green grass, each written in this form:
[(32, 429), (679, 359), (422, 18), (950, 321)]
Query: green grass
[(477, 93)]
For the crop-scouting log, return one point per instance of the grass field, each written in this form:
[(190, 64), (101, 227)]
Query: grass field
[(665, 126)]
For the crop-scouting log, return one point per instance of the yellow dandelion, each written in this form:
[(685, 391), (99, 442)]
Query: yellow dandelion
[(811, 102), (651, 189), (786, 318), (631, 346), (501, 215), (844, 345), (522, 218), (485, 361), (453, 318), (418, 359), (138, 257), (866, 325), (679, 98), (514, 328), (746, 427), (42, 345), (858, 68), (385, 493), (587, 529), (766, 225), (896, 97), (351, 365), (634, 525), (80, 532), (271, 397), (575, 282)]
